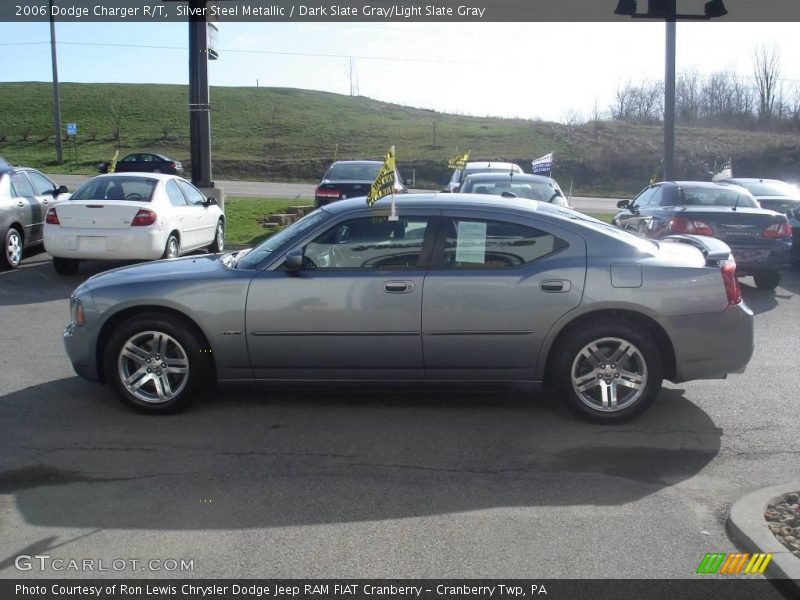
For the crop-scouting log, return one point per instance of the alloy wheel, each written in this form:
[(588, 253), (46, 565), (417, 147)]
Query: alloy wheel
[(609, 374), (153, 366)]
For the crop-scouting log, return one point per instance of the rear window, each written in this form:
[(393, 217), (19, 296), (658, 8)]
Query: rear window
[(770, 188), (533, 190), (139, 189), (712, 196), (353, 171)]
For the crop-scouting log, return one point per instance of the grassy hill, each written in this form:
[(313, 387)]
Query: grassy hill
[(275, 133)]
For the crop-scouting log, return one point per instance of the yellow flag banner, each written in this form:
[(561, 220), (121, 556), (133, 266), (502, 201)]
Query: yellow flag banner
[(459, 161), (113, 166), (384, 182)]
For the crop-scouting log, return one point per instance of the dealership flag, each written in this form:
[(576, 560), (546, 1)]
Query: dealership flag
[(726, 172), (543, 163), (113, 166), (384, 183), (459, 161)]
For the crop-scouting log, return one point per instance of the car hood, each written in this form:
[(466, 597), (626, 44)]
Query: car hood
[(188, 267)]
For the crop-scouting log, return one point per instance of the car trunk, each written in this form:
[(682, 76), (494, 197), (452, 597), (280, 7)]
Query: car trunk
[(728, 225), (100, 214), (348, 189)]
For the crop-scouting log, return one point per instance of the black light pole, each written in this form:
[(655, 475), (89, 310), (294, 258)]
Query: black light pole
[(56, 96), (199, 106), (667, 10)]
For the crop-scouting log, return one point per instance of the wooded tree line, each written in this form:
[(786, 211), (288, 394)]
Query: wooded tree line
[(760, 100)]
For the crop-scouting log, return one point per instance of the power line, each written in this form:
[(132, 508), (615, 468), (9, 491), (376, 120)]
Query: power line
[(240, 51)]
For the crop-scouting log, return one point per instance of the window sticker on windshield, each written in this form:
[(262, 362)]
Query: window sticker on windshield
[(471, 242)]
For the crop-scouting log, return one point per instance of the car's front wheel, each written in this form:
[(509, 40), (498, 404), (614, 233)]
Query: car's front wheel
[(767, 280), (156, 364), (609, 371), (66, 266), (12, 249)]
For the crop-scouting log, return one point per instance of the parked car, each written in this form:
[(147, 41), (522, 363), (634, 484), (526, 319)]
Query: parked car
[(771, 194), (350, 178), (459, 175), (760, 239), (493, 289), (779, 196), (25, 195), (131, 217), (144, 162), (509, 185)]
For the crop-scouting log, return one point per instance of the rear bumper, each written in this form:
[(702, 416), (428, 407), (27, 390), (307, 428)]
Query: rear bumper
[(711, 346), (752, 258), (106, 244)]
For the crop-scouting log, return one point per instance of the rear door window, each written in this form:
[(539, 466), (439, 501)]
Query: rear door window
[(176, 197), (41, 184), (193, 195), (489, 244), (21, 185)]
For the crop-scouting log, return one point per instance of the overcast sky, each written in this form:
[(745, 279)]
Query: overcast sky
[(529, 70)]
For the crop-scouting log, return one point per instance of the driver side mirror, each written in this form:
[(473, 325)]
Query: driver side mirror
[(294, 259), (210, 202), (623, 204), (62, 189)]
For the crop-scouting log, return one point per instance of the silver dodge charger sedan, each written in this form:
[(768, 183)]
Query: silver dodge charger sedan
[(463, 288)]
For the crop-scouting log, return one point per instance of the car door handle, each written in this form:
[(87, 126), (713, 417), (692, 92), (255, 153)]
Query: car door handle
[(555, 285), (398, 287), (20, 204)]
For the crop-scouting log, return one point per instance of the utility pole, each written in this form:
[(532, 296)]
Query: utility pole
[(669, 94), (56, 96), (199, 103)]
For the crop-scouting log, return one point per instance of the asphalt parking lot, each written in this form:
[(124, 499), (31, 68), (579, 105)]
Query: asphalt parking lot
[(375, 482)]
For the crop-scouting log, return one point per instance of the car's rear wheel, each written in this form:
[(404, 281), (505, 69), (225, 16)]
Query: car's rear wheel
[(173, 247), (12, 249), (156, 364), (610, 371), (218, 245), (66, 266), (767, 280)]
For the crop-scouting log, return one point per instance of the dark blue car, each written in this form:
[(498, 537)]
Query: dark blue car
[(760, 239)]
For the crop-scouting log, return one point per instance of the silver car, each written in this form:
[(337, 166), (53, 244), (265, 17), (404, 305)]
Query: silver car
[(25, 195), (459, 288)]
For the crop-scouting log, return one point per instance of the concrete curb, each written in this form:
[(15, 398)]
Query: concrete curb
[(747, 526)]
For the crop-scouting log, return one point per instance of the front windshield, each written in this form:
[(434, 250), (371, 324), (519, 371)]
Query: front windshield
[(285, 236)]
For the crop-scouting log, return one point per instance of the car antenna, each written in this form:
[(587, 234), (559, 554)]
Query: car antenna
[(736, 204)]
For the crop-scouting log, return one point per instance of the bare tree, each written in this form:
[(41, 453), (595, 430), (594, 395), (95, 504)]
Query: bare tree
[(117, 110), (767, 69), (621, 108)]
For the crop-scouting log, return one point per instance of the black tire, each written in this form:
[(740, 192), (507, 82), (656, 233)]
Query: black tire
[(218, 245), (66, 266), (171, 251), (11, 255), (182, 343), (645, 363), (767, 280)]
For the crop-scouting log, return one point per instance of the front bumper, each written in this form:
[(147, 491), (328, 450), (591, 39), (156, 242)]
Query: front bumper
[(80, 344), (711, 346)]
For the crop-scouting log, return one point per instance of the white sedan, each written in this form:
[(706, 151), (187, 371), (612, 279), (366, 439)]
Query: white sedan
[(130, 216)]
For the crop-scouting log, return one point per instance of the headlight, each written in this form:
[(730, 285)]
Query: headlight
[(76, 312)]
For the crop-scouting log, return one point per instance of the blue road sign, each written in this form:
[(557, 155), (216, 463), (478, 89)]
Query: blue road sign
[(72, 128)]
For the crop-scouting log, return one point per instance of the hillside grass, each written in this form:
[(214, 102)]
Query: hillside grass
[(291, 134)]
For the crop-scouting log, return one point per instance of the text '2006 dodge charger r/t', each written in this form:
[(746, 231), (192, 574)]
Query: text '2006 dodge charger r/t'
[(460, 288)]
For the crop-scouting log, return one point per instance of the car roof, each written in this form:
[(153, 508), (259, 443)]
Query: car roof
[(443, 200), (703, 184), (357, 162), (752, 180), (158, 176)]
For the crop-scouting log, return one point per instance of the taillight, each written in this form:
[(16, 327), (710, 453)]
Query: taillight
[(327, 192), (52, 217), (732, 289), (173, 165), (689, 225), (778, 230), (144, 217)]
